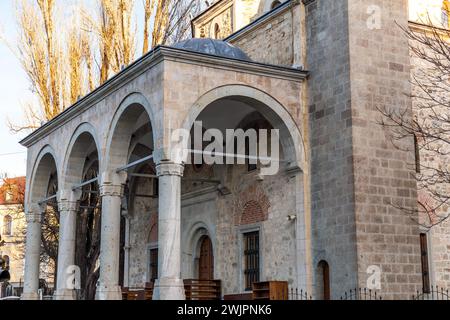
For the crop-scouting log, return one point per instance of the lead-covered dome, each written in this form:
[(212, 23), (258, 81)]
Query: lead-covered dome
[(213, 47)]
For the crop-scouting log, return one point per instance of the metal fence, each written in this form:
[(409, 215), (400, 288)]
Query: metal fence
[(361, 294), (435, 293), (295, 294)]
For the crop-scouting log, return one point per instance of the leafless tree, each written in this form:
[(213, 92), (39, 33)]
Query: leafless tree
[(171, 20), (430, 124), (65, 61)]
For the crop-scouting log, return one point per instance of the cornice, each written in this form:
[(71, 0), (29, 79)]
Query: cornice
[(149, 61), (140, 66), (201, 59)]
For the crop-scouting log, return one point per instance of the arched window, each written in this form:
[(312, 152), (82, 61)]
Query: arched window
[(7, 226), (446, 13), (216, 31), (274, 4), (324, 280)]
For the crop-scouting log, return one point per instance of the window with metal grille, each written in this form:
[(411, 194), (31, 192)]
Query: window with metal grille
[(153, 264), (251, 259), (424, 260)]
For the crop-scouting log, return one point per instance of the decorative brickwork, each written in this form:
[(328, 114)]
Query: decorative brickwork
[(253, 212), (252, 207)]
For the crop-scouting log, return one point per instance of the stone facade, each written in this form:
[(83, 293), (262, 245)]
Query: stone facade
[(438, 241), (384, 177), (332, 188), (332, 203), (205, 208), (271, 41)]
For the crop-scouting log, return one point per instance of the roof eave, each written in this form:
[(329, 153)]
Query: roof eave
[(154, 57)]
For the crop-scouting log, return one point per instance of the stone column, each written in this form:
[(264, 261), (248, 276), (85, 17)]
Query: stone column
[(109, 288), (169, 286), (66, 252), (32, 252)]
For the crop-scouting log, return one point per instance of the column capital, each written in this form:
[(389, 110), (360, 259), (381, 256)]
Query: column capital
[(35, 213), (32, 217), (169, 169), (111, 190), (68, 206)]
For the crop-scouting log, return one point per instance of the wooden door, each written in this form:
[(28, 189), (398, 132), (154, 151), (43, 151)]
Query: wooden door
[(206, 260), (326, 281), (153, 265)]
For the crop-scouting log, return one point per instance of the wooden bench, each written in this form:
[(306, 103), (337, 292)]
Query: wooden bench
[(239, 297), (137, 293), (202, 289)]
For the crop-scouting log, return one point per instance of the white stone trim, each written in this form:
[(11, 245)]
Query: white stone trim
[(146, 63), (132, 99), (293, 130), (31, 183), (83, 128)]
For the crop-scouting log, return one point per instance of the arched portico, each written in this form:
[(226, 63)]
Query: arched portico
[(234, 107), (136, 129), (44, 171), (79, 183), (229, 107), (132, 125), (290, 135)]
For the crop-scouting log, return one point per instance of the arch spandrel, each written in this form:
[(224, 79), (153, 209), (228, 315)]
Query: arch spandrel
[(43, 165), (83, 139), (291, 134), (121, 130)]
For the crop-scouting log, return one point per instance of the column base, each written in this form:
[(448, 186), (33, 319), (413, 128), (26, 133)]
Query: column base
[(169, 289), (65, 294), (108, 293), (29, 296)]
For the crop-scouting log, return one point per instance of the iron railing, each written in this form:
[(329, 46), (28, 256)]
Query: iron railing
[(295, 294), (435, 293), (361, 294)]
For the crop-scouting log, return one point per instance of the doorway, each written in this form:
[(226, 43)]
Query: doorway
[(206, 259)]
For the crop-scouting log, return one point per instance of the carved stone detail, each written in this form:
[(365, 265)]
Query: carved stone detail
[(169, 169), (66, 206), (109, 190)]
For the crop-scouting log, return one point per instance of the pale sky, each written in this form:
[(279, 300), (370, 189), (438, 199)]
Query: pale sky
[(15, 90)]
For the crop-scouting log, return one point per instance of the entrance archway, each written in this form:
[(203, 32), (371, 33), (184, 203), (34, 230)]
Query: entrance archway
[(129, 150), (82, 167), (42, 226), (238, 109), (324, 280)]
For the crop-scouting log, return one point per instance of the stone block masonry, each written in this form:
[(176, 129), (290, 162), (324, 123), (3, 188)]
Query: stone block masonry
[(358, 175)]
